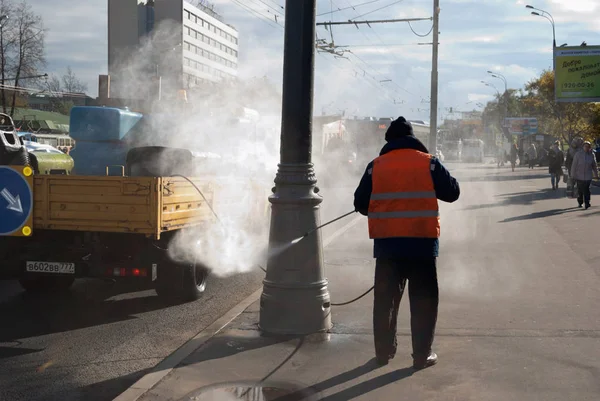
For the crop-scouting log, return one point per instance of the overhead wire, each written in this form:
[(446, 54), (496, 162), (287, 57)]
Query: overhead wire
[(348, 8), (378, 84), (381, 40), (419, 35), (271, 7), (260, 16), (379, 9)]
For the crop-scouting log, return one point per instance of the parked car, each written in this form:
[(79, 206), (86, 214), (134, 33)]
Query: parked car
[(46, 159)]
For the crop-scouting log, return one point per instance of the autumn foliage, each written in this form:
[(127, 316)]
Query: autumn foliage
[(562, 120)]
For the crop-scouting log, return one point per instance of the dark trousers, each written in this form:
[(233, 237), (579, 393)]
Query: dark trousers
[(583, 192), (390, 281)]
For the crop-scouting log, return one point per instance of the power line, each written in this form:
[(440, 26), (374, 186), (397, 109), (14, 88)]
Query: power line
[(365, 77), (396, 57), (348, 8), (258, 15), (421, 36), (379, 9), (354, 22), (270, 7), (273, 8), (361, 59)]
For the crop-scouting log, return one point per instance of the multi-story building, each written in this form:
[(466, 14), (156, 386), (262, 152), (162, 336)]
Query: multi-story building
[(190, 45)]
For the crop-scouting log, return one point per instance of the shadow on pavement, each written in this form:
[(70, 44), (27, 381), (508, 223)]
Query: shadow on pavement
[(370, 385), (9, 352), (100, 391), (226, 346), (333, 381), (521, 198), (539, 215), (32, 315), (496, 178)]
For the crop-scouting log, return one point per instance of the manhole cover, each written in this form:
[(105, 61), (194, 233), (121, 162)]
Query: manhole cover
[(250, 392)]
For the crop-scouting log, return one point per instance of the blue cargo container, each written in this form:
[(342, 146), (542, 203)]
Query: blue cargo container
[(103, 135)]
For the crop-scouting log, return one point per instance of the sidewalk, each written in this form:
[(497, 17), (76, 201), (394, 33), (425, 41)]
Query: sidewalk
[(519, 317)]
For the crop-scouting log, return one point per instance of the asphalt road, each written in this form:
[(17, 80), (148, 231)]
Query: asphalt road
[(98, 340)]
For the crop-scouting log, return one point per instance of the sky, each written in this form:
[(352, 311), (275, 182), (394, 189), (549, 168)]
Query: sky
[(384, 72)]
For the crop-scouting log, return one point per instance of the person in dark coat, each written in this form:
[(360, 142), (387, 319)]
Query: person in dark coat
[(399, 192), (556, 158)]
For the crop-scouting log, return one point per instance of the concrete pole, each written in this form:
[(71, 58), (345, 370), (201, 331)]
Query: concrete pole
[(434, 79), (295, 298)]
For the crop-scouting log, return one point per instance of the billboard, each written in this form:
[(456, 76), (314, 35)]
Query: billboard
[(521, 125), (577, 74)]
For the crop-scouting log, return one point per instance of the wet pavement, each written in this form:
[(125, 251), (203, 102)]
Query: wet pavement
[(519, 286)]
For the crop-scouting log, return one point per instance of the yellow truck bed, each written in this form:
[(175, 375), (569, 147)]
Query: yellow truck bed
[(139, 205)]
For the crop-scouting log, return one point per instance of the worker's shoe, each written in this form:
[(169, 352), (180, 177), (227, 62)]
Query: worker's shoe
[(425, 362), (382, 360)]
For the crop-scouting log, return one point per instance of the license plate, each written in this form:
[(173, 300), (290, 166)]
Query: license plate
[(50, 267)]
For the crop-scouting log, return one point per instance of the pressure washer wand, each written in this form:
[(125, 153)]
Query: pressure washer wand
[(326, 224)]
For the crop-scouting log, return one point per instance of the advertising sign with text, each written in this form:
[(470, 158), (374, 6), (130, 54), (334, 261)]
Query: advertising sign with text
[(577, 74)]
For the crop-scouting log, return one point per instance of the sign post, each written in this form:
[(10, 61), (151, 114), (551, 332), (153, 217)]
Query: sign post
[(16, 201), (521, 126)]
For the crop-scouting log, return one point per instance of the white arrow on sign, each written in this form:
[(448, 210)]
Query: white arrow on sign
[(14, 203)]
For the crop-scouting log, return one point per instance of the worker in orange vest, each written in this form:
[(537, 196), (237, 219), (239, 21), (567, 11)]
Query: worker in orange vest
[(399, 193)]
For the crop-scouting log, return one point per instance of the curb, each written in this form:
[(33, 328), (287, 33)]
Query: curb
[(164, 367)]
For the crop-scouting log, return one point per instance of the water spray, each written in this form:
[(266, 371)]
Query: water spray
[(292, 242), (321, 226)]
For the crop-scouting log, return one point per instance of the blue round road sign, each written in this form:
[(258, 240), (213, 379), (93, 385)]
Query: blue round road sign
[(16, 200)]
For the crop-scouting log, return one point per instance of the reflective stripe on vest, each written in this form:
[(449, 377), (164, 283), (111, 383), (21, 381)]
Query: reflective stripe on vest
[(403, 201)]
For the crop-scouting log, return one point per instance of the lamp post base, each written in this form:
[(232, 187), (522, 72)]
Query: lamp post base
[(295, 298)]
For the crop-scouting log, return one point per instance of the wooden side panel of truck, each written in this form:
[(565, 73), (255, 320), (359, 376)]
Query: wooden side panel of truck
[(137, 205)]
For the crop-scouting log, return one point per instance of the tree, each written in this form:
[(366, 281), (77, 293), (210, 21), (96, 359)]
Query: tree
[(537, 99), (63, 89), (72, 84), (562, 120), (22, 38)]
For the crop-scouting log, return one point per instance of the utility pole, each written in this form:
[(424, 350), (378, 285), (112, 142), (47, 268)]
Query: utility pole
[(434, 79)]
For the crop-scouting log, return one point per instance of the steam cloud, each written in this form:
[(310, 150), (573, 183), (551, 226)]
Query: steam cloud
[(239, 159)]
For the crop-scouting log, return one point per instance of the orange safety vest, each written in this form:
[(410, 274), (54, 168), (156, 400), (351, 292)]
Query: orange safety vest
[(403, 201)]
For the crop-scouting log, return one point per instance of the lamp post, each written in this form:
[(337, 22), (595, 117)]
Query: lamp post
[(505, 132), (548, 16), (503, 78), (295, 299)]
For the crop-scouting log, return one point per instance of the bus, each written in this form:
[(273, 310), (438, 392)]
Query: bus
[(473, 150)]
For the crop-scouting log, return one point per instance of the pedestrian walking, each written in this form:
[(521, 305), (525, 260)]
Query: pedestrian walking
[(584, 168), (399, 193), (514, 151), (574, 147), (532, 153), (556, 158)]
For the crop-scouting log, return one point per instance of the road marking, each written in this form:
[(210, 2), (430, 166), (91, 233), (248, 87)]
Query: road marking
[(166, 366)]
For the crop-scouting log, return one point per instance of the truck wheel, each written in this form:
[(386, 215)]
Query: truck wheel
[(46, 284), (184, 283)]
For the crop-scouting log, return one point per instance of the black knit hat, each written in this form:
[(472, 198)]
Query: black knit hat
[(398, 128)]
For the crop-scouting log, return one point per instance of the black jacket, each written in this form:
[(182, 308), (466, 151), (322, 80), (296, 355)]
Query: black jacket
[(555, 161), (446, 189)]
